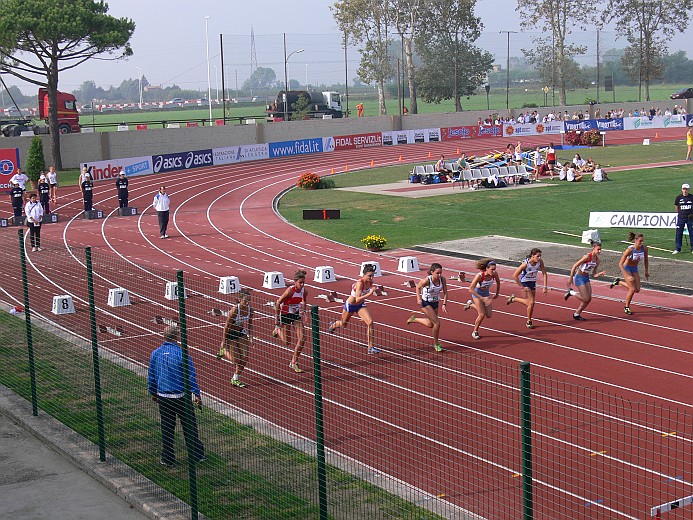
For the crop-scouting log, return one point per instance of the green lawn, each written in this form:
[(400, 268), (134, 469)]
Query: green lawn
[(527, 213)]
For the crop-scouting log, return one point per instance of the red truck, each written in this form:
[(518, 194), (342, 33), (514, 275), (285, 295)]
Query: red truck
[(68, 117)]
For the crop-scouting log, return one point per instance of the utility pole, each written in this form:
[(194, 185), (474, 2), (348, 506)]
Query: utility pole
[(507, 72)]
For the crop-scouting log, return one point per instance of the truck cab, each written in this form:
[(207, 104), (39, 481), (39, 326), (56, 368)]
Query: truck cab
[(68, 117)]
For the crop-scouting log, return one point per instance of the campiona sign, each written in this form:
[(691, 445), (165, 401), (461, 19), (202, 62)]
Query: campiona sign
[(626, 219)]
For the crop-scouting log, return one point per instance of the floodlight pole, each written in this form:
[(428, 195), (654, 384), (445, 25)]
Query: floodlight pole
[(507, 72), (209, 81), (286, 78)]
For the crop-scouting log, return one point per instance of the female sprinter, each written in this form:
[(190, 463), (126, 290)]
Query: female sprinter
[(629, 267), (238, 335), (580, 275), (428, 292), (526, 277), (480, 290), (356, 304), (290, 308)]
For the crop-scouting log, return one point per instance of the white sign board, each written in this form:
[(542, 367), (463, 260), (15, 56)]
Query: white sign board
[(627, 219)]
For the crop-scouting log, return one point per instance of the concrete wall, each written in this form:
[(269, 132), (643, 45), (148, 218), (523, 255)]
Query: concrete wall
[(77, 148)]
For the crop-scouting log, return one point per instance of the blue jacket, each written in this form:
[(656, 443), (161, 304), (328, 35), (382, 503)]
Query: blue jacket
[(166, 371)]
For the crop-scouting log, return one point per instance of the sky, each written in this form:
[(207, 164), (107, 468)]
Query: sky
[(170, 42)]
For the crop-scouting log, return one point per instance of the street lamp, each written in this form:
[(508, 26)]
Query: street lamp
[(139, 76), (209, 81), (286, 78)]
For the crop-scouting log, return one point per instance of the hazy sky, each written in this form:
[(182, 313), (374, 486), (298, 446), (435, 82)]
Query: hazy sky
[(170, 47)]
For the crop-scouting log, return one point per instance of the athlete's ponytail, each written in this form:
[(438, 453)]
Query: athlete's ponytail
[(632, 236), (433, 267)]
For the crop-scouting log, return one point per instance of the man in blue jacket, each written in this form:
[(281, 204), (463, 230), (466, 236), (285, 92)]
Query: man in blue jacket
[(166, 387)]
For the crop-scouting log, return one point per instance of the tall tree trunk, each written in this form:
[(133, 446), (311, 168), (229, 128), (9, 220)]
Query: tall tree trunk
[(381, 97), (413, 106), (53, 129)]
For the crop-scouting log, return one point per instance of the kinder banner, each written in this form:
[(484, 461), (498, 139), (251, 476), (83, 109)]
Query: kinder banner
[(642, 123), (9, 162), (622, 219), (526, 129), (356, 141), (132, 166)]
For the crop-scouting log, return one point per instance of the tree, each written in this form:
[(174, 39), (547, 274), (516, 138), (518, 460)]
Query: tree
[(41, 38), (261, 78), (365, 24), (35, 163), (406, 15), (678, 68), (540, 58), (557, 17), (452, 66), (642, 64), (646, 25)]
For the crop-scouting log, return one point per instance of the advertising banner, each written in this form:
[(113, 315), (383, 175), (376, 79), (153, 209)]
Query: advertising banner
[(488, 131), (242, 153), (457, 132), (298, 147), (9, 162), (625, 219), (642, 123), (182, 160), (525, 129), (132, 166), (357, 141)]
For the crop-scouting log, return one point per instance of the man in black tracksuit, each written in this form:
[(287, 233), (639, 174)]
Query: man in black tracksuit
[(87, 192), (122, 185), (17, 196)]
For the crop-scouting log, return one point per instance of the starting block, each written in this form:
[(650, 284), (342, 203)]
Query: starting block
[(63, 304), (380, 291), (51, 218), (408, 264), (273, 280), (324, 274), (172, 291), (219, 312), (118, 297), (461, 276), (4, 222), (333, 297), (229, 284), (409, 283), (160, 320), (377, 267), (116, 331), (127, 211), (93, 214)]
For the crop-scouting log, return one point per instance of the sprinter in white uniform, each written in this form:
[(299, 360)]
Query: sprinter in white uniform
[(526, 277), (428, 292)]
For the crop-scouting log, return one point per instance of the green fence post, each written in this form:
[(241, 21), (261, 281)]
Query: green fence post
[(319, 415), (526, 429), (192, 449), (27, 314), (95, 359)]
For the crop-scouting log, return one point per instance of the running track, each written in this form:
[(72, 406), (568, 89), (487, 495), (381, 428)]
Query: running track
[(445, 423)]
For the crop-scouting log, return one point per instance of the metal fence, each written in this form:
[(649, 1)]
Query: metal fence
[(353, 436)]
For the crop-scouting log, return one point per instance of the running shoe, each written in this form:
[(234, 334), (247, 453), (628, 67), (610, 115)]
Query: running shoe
[(33, 249), (468, 305), (475, 335), (530, 325), (275, 332), (675, 252), (511, 299), (578, 317), (628, 311), (614, 283), (165, 235), (438, 347), (221, 353), (411, 320), (295, 368), (330, 329), (238, 383), (567, 295), (373, 350), (39, 249)]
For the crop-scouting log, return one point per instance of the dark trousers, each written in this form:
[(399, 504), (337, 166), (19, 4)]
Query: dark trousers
[(87, 204), (35, 234), (46, 207), (163, 221), (17, 211), (681, 223), (123, 200), (169, 409)]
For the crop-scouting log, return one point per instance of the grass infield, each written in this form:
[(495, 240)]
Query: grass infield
[(528, 213)]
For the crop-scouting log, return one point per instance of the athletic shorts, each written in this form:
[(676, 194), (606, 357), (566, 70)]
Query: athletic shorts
[(530, 285), (580, 279), (432, 305), (233, 335), (289, 318), (630, 268), (353, 307), (481, 294)]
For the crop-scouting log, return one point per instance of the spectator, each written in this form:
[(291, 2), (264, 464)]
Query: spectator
[(167, 388), (599, 175), (442, 170), (589, 166), (579, 163), (571, 175)]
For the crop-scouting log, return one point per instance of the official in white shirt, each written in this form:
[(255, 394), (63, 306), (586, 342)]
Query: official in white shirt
[(34, 215), (161, 204)]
